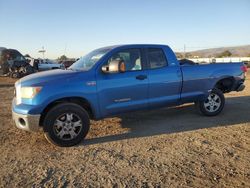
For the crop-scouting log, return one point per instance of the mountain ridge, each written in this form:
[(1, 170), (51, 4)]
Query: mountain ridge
[(237, 51)]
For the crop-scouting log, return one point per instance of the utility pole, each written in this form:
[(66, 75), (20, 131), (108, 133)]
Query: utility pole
[(42, 51), (184, 51)]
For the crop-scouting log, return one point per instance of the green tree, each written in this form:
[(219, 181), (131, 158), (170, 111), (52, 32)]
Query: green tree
[(27, 55), (62, 58), (188, 55), (179, 55), (226, 53)]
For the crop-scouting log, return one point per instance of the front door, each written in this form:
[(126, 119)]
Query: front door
[(127, 91)]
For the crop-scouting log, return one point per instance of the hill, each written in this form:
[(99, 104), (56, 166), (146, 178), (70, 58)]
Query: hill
[(236, 51)]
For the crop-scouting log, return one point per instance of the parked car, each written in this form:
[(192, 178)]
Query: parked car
[(118, 79), (13, 64), (44, 64), (66, 63)]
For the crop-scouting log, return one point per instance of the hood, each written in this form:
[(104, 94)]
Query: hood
[(41, 78)]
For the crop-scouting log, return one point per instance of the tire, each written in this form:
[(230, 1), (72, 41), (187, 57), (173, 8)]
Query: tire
[(66, 124), (15, 75), (213, 105)]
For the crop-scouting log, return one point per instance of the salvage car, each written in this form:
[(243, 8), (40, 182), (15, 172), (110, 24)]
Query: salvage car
[(13, 64), (118, 79)]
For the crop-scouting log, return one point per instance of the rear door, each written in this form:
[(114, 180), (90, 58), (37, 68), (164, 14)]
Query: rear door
[(164, 78), (122, 92)]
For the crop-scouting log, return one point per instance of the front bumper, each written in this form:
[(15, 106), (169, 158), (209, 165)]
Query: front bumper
[(26, 122)]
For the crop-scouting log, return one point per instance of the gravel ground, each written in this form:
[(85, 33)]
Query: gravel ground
[(174, 147)]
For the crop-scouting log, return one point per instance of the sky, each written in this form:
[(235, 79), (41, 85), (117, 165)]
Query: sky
[(76, 27)]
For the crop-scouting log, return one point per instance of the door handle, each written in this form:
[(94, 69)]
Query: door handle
[(141, 77)]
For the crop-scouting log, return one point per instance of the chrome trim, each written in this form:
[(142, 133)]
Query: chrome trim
[(31, 121), (123, 100), (241, 87), (91, 83)]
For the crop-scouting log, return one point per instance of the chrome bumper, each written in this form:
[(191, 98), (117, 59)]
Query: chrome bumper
[(26, 122), (241, 87)]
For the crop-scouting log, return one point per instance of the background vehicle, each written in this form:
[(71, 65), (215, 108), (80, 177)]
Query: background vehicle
[(13, 64), (66, 63), (114, 80), (44, 64)]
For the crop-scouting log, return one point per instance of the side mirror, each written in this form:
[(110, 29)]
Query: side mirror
[(114, 67)]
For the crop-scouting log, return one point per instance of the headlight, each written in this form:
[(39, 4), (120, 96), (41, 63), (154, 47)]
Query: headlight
[(29, 92)]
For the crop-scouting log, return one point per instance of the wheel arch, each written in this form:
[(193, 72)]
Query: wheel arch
[(84, 103), (225, 84)]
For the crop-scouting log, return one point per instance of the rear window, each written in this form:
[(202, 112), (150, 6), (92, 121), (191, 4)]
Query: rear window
[(156, 58)]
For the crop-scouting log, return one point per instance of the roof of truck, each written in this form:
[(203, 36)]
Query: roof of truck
[(130, 46), (133, 45)]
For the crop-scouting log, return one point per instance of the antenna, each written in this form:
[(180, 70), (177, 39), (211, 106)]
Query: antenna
[(184, 50)]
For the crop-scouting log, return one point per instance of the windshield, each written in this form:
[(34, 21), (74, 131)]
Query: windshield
[(89, 60)]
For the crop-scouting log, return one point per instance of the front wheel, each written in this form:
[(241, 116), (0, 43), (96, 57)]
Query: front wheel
[(213, 105), (66, 124)]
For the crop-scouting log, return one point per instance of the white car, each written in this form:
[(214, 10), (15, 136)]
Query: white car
[(45, 64)]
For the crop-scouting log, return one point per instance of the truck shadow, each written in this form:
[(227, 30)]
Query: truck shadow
[(174, 120)]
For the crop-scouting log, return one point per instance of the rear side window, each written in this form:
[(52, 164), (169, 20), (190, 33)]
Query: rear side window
[(156, 58)]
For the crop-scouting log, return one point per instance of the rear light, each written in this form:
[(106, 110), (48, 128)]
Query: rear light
[(243, 68)]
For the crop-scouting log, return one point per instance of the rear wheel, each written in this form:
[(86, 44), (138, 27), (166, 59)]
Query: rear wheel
[(66, 124), (213, 105)]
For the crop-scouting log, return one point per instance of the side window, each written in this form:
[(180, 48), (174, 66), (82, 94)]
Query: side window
[(131, 58), (156, 58)]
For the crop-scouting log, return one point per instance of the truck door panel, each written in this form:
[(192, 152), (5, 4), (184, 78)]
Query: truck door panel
[(122, 92), (164, 81)]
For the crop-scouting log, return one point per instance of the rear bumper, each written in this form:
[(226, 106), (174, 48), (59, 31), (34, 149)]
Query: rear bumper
[(26, 122), (240, 87)]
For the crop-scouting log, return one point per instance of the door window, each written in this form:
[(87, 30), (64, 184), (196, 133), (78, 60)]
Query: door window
[(156, 58), (131, 58)]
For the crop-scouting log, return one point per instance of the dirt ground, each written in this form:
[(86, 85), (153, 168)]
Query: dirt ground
[(174, 147), (7, 81)]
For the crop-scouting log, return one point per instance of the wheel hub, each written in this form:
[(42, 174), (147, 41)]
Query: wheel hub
[(213, 102), (67, 126)]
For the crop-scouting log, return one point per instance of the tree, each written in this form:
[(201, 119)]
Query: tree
[(179, 55), (27, 55), (188, 55), (226, 53), (62, 58)]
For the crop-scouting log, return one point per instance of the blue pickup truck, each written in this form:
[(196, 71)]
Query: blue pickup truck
[(118, 79)]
